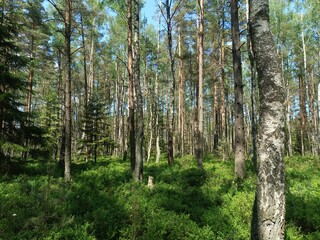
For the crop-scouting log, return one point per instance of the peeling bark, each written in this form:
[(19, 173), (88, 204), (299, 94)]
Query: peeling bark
[(269, 209)]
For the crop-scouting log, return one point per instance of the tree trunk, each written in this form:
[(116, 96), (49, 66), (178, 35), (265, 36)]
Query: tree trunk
[(91, 69), (199, 121), (131, 92), (287, 111), (156, 92), (173, 82), (182, 101), (215, 115), (85, 99), (223, 131), (269, 208), (303, 113), (240, 167), (68, 120), (313, 114), (252, 93), (139, 98)]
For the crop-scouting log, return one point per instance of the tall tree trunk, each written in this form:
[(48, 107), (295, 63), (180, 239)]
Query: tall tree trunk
[(215, 115), (303, 92), (68, 120), (182, 101), (30, 78), (139, 98), (253, 91), (169, 17), (240, 167), (91, 69), (199, 122), (269, 207), (287, 110), (29, 90), (223, 131), (84, 52), (303, 113), (313, 113), (131, 92), (156, 92), (85, 99)]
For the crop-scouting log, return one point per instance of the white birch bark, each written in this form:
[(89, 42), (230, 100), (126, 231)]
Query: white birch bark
[(269, 210)]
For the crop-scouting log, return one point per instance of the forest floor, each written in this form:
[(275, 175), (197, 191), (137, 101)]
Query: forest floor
[(102, 202)]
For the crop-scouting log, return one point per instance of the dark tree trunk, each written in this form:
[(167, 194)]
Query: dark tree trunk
[(139, 99), (68, 122), (132, 144), (240, 167), (169, 17)]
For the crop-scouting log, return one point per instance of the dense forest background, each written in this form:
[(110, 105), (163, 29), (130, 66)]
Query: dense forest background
[(92, 92)]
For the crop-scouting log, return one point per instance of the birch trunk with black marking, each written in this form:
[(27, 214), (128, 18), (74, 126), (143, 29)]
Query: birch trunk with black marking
[(269, 208)]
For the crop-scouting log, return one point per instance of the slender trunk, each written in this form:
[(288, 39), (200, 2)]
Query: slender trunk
[(182, 101), (131, 92), (61, 112), (85, 99), (303, 113), (269, 208), (68, 120), (29, 90), (173, 83), (223, 131), (313, 113), (252, 93), (240, 167), (287, 111), (304, 81), (30, 79), (199, 122), (84, 52), (215, 116), (117, 118), (139, 98), (151, 135), (157, 130), (91, 69)]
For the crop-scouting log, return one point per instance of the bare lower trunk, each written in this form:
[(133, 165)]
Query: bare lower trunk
[(240, 167), (173, 83), (223, 131), (199, 122), (132, 144), (252, 93), (68, 120), (139, 98), (181, 110), (313, 113), (151, 135), (157, 130), (269, 208)]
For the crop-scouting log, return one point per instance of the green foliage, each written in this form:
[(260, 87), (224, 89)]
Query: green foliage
[(102, 202)]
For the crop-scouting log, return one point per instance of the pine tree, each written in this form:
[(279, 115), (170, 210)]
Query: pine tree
[(15, 125)]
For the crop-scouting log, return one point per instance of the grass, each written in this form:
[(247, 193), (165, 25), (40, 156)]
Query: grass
[(103, 203)]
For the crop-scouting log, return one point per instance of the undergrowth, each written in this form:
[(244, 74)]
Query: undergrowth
[(102, 202)]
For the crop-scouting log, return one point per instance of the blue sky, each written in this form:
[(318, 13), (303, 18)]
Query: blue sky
[(150, 10)]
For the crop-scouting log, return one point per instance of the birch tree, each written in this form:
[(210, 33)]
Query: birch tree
[(269, 207)]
